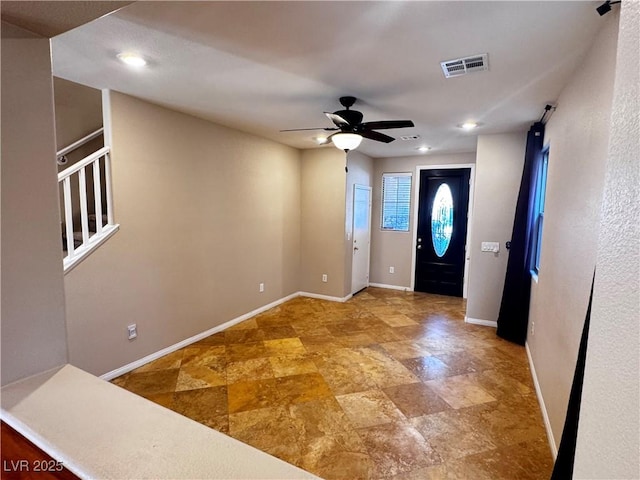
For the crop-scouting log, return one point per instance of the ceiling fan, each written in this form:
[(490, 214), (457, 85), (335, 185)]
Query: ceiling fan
[(352, 129)]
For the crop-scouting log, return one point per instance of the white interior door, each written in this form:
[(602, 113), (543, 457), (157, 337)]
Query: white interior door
[(361, 237)]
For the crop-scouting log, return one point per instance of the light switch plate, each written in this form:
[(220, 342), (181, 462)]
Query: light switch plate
[(493, 247), (132, 331)]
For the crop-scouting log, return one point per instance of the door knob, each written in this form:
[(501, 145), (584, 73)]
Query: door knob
[(419, 247), (355, 248)]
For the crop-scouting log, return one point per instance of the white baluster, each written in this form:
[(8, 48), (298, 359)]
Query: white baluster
[(107, 178), (68, 215), (97, 193), (84, 215)]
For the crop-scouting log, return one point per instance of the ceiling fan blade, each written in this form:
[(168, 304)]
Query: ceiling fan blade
[(384, 124), (380, 137), (337, 119), (305, 129)]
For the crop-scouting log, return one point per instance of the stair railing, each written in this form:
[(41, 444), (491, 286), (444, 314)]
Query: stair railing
[(74, 254), (62, 159)]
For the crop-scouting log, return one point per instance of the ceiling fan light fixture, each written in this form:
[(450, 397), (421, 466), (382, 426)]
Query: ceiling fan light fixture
[(423, 149), (346, 141), (321, 140)]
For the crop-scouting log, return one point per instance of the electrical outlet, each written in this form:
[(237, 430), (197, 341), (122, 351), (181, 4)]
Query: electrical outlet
[(133, 331), (261, 287), (533, 328), (392, 269), (324, 278)]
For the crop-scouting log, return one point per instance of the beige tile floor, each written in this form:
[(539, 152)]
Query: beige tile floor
[(389, 385)]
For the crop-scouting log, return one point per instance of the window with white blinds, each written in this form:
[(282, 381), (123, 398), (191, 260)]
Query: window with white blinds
[(396, 201)]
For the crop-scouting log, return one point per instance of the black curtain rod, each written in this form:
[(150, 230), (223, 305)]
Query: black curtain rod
[(547, 109), (606, 7)]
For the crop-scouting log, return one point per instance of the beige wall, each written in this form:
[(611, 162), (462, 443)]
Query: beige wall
[(206, 213), (608, 443), (323, 220), (78, 110), (396, 248), (577, 135), (33, 329), (499, 163), (360, 173)]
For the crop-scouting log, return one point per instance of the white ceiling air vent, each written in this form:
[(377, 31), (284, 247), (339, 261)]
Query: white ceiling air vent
[(410, 137), (462, 66)]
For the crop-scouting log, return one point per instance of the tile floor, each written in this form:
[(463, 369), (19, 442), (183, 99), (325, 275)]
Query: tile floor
[(389, 385)]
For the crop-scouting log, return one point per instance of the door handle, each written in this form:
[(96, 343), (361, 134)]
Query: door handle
[(355, 249), (419, 247)]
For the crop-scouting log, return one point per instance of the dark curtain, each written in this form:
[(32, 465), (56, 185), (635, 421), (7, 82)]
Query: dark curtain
[(514, 308), (563, 468)]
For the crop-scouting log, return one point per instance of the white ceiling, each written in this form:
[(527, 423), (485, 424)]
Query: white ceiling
[(266, 66)]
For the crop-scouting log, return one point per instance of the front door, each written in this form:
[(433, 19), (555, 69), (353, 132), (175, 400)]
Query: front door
[(442, 231), (361, 237)]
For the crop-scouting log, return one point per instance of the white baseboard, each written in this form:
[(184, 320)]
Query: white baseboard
[(218, 328), (390, 287), (188, 341), (325, 297), (543, 408), (479, 321)]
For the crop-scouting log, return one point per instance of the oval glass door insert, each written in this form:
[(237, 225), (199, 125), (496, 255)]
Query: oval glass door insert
[(442, 219)]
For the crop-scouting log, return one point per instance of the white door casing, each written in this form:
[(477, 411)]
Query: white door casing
[(361, 237)]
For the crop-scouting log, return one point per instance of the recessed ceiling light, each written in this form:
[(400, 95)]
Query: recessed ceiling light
[(468, 125), (132, 59), (423, 149)]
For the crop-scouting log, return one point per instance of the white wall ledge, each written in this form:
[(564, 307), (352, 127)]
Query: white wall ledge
[(480, 321), (99, 430), (391, 287)]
